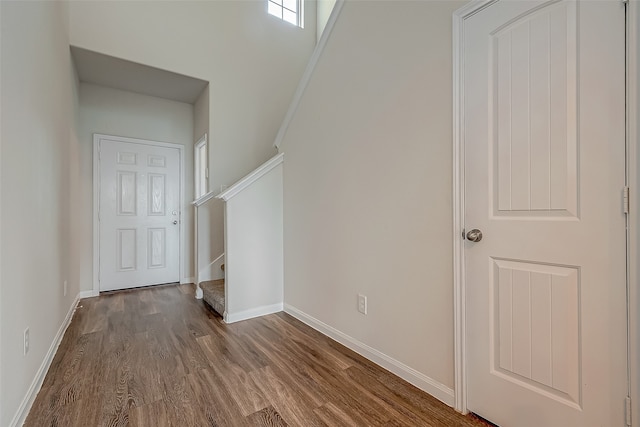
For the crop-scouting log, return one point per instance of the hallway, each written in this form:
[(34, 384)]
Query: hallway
[(157, 357)]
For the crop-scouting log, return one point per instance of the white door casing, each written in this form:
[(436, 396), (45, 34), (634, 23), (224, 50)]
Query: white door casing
[(542, 129), (138, 206)]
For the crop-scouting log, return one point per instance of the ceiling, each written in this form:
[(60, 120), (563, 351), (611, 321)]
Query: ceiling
[(120, 74)]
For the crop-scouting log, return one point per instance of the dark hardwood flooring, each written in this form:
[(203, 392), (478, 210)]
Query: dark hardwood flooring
[(158, 357)]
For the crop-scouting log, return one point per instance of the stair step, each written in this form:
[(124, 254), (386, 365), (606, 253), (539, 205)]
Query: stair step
[(213, 294)]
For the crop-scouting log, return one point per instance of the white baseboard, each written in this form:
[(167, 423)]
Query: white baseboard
[(251, 313), (188, 280), (34, 388), (88, 294), (423, 382)]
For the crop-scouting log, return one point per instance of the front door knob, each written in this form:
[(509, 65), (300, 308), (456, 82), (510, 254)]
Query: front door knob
[(474, 235)]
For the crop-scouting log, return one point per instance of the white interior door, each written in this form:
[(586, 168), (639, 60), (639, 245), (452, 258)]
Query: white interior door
[(139, 208), (544, 138)]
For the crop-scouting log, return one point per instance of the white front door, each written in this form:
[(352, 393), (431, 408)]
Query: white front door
[(139, 214), (544, 138)]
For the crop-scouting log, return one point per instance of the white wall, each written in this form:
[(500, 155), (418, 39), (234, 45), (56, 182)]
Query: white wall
[(252, 60), (211, 221), (254, 248), (38, 117), (368, 184), (115, 112), (325, 7), (211, 240), (201, 115)]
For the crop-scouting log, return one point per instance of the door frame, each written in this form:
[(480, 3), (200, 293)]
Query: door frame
[(633, 179), (633, 219), (97, 137)]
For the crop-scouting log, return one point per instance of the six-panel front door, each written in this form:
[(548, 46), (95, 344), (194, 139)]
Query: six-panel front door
[(138, 214), (544, 137)]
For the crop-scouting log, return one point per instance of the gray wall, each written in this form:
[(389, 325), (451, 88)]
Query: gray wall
[(368, 184), (252, 60), (39, 111)]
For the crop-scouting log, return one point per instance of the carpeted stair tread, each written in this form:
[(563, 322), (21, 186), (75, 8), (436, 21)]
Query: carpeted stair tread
[(213, 294)]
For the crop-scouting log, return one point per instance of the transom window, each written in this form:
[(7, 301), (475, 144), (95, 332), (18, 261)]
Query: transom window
[(287, 10)]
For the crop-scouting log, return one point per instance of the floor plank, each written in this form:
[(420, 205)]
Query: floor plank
[(157, 357), (267, 417)]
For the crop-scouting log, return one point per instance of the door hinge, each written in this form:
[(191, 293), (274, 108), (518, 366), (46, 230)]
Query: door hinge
[(625, 199), (206, 173), (627, 410)]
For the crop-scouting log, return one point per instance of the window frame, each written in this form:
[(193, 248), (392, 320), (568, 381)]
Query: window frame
[(280, 4)]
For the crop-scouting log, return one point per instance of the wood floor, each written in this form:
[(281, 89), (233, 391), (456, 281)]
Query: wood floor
[(158, 357)]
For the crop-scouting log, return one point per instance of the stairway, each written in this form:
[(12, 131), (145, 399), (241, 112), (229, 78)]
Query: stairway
[(213, 294)]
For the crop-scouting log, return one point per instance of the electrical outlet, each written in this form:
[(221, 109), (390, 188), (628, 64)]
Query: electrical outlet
[(64, 286), (362, 304), (26, 341)]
